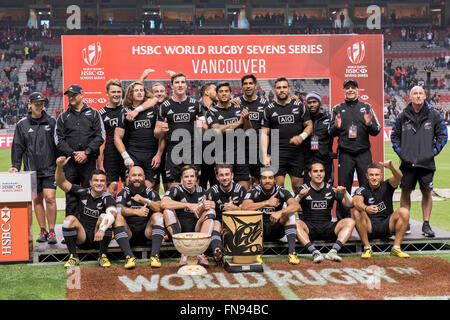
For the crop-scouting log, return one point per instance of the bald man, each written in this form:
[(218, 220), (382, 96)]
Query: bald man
[(418, 135)]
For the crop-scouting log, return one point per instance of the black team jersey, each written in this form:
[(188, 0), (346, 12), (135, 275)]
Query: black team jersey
[(91, 208), (288, 120), (381, 197), (180, 116), (256, 110), (139, 133), (110, 117), (318, 204), (124, 198), (180, 194), (258, 195), (220, 197)]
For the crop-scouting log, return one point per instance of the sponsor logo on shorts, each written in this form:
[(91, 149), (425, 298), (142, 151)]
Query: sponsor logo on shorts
[(318, 205), (181, 117), (142, 124), (286, 119), (381, 206)]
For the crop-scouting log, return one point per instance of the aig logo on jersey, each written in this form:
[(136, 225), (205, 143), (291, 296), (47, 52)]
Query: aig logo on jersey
[(181, 117), (286, 119), (253, 116), (142, 124), (231, 120), (91, 213), (318, 205)]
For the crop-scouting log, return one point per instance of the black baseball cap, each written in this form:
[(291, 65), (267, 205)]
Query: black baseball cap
[(37, 96), (74, 88), (346, 82)]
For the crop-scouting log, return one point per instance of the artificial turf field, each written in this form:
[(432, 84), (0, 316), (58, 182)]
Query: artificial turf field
[(306, 281)]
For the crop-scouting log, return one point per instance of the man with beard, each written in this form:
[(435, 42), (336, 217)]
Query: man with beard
[(135, 139), (293, 121), (185, 209), (140, 206), (278, 220), (92, 229), (319, 146), (227, 195), (176, 124), (208, 99), (374, 214), (79, 134), (418, 135), (317, 199), (227, 118), (353, 121)]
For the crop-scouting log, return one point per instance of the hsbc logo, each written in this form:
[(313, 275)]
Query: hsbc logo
[(92, 54), (356, 52), (318, 205), (6, 214), (94, 100), (286, 119), (364, 97), (181, 117), (6, 231)]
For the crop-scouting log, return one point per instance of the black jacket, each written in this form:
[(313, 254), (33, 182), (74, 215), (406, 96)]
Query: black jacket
[(320, 129), (418, 137), (34, 144), (79, 131), (352, 112)]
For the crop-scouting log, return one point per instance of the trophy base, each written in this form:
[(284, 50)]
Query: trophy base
[(192, 270), (238, 267)]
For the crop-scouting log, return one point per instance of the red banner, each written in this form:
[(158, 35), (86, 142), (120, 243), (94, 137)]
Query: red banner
[(6, 141)]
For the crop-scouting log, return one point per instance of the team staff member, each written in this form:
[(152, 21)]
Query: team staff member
[(227, 195), (109, 159), (140, 206), (319, 146), (293, 121), (225, 117), (418, 135), (317, 199), (135, 139), (34, 144), (178, 112), (278, 220), (255, 106), (92, 230), (79, 133), (374, 215), (353, 121), (208, 100)]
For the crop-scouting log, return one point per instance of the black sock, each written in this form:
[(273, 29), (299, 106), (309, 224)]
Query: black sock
[(157, 239), (121, 237), (175, 228), (337, 245), (70, 235), (290, 235), (310, 247), (105, 242), (216, 240)]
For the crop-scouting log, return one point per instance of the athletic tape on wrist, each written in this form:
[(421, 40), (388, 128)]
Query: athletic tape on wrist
[(304, 135)]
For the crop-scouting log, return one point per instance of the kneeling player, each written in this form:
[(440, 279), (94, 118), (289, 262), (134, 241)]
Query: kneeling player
[(97, 215), (316, 199), (277, 219), (374, 214), (227, 195), (141, 208), (184, 210)]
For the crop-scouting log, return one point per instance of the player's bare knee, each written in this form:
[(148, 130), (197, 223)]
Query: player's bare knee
[(69, 221)]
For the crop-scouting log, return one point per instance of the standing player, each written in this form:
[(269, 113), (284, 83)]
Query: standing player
[(317, 199), (34, 144), (184, 207), (353, 121), (319, 146), (255, 106), (79, 133), (278, 220), (92, 229), (418, 135), (140, 206), (109, 159), (374, 215), (226, 117), (135, 139), (227, 195), (178, 115), (293, 121)]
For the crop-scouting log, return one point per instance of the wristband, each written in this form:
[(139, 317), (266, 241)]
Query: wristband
[(148, 201), (125, 155), (304, 135), (365, 209), (139, 109)]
